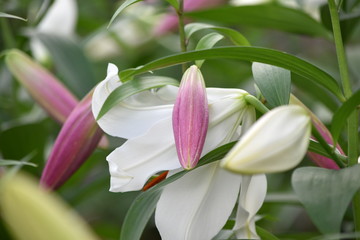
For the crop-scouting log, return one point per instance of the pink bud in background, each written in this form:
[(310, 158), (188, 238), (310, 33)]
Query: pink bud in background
[(44, 87), (76, 141), (47, 91), (190, 118), (170, 21), (318, 159)]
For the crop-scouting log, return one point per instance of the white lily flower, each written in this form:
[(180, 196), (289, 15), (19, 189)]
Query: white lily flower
[(60, 20), (277, 142), (146, 119)]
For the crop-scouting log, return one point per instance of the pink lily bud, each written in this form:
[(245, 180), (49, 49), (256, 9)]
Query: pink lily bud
[(170, 21), (76, 141), (44, 87), (318, 159), (190, 118), (47, 91)]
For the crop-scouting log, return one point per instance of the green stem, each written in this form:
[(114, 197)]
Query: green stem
[(183, 43), (9, 39), (352, 130), (250, 99)]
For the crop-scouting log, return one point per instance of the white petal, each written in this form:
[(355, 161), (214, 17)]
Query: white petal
[(252, 196), (141, 157), (142, 110), (132, 164), (277, 142), (197, 206)]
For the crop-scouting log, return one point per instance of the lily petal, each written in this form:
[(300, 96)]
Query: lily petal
[(150, 105), (197, 211), (141, 157), (277, 142), (252, 196)]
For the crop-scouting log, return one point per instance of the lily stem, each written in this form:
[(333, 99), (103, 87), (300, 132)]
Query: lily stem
[(181, 26), (250, 99), (353, 118)]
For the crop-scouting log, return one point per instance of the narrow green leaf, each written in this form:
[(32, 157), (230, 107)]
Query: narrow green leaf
[(316, 147), (144, 205), (4, 162), (236, 37), (264, 16), (174, 3), (264, 234), (273, 82), (6, 15), (125, 4), (254, 54), (208, 41), (71, 63), (326, 194), (342, 114), (132, 87)]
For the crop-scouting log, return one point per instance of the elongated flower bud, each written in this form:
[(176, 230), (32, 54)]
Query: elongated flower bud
[(47, 91), (318, 159), (44, 87), (76, 141), (190, 118), (276, 142), (34, 214)]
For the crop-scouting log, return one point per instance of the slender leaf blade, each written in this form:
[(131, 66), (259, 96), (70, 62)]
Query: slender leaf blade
[(126, 4), (132, 87), (253, 54), (208, 41), (265, 16), (273, 82), (6, 15), (174, 3), (342, 114)]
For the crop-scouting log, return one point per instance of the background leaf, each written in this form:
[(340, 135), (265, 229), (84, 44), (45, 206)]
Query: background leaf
[(71, 63), (6, 15), (125, 4), (273, 82), (255, 54), (326, 194), (208, 41), (264, 16)]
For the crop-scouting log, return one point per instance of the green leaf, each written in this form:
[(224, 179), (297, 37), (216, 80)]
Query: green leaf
[(132, 87), (264, 234), (316, 147), (342, 114), (144, 205), (255, 54), (208, 41), (174, 3), (6, 15), (273, 82), (71, 63), (326, 194), (236, 37), (5, 162), (265, 16), (125, 4)]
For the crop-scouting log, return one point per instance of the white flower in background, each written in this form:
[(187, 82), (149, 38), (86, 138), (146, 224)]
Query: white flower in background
[(276, 142), (197, 205), (59, 20), (309, 6)]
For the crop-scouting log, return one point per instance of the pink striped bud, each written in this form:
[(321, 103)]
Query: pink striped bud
[(47, 91), (76, 141), (190, 118)]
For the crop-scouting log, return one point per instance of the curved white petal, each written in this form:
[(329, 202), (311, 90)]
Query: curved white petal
[(141, 157), (142, 110), (252, 196), (59, 20), (277, 142), (132, 164), (196, 206)]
